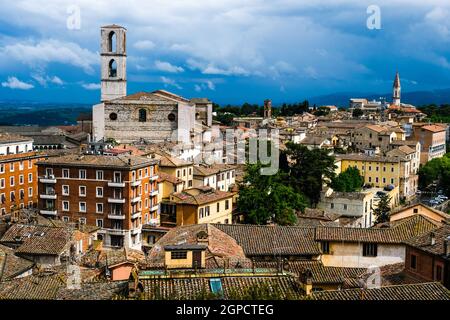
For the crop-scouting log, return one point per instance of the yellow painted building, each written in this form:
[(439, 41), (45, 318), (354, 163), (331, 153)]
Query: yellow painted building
[(380, 172), (203, 205), (177, 168)]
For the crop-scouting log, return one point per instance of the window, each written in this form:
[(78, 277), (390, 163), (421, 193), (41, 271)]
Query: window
[(325, 245), (113, 116), (99, 192), (151, 239), (171, 117), (82, 174), (21, 179), (11, 167), (65, 190), (30, 164), (190, 183), (99, 223), (30, 191), (65, 205), (21, 165), (178, 255), (345, 206), (207, 211), (82, 206), (82, 191), (438, 276), (82, 220), (370, 249), (413, 261), (227, 204), (142, 115), (2, 168), (184, 172), (331, 205), (201, 213), (99, 208), (66, 219), (415, 210), (11, 181), (218, 206), (113, 68), (99, 174), (2, 183), (30, 177), (112, 42)]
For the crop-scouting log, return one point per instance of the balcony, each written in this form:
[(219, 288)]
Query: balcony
[(154, 193), (48, 179), (49, 194), (153, 222), (135, 199), (154, 208), (135, 183), (114, 216), (136, 215), (135, 231), (116, 184), (154, 177), (116, 200), (116, 232), (48, 212)]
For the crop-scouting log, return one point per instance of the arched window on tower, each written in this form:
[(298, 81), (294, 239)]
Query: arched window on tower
[(112, 47), (142, 115), (112, 68)]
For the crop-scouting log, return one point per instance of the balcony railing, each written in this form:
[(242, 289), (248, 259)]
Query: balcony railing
[(116, 200), (135, 199), (116, 216), (154, 208), (136, 215), (154, 177), (116, 184), (154, 193), (135, 183), (116, 232), (49, 194), (48, 179), (48, 212)]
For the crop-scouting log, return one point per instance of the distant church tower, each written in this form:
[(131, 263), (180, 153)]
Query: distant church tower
[(267, 109), (396, 90), (114, 62)]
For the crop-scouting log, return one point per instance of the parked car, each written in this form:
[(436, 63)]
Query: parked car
[(433, 203), (445, 198)]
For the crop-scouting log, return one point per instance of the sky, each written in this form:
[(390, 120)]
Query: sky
[(230, 51)]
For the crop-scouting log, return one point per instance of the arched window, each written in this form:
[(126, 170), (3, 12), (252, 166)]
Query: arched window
[(142, 115), (7, 150), (17, 149), (113, 68), (112, 46)]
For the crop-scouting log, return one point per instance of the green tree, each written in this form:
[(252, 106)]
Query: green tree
[(383, 211), (348, 181), (267, 198), (357, 113), (436, 171), (308, 170)]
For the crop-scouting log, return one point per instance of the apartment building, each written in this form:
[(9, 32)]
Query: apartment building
[(432, 138), (202, 205), (115, 193), (18, 173), (178, 168), (373, 135), (219, 176), (381, 172)]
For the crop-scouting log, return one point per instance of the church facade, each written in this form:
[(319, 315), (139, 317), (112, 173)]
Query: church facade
[(157, 116)]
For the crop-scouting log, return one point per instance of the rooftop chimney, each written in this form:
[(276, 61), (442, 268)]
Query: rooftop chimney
[(447, 246), (432, 239)]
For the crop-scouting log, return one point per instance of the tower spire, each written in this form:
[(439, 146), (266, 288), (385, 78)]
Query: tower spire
[(396, 90)]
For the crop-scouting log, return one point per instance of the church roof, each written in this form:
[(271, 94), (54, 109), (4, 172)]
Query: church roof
[(155, 96)]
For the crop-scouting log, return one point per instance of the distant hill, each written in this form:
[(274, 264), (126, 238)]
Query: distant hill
[(417, 98), (37, 113)]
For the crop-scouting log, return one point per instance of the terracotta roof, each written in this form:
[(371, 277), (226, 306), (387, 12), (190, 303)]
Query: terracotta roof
[(167, 160), (220, 246), (11, 138), (12, 265), (423, 242), (199, 196), (272, 240), (419, 291), (37, 240), (234, 287), (85, 160), (402, 230), (203, 170), (169, 178), (320, 273), (434, 128)]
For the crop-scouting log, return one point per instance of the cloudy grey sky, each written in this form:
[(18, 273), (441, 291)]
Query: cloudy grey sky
[(230, 50)]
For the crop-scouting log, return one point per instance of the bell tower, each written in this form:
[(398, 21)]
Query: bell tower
[(396, 90), (113, 62)]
